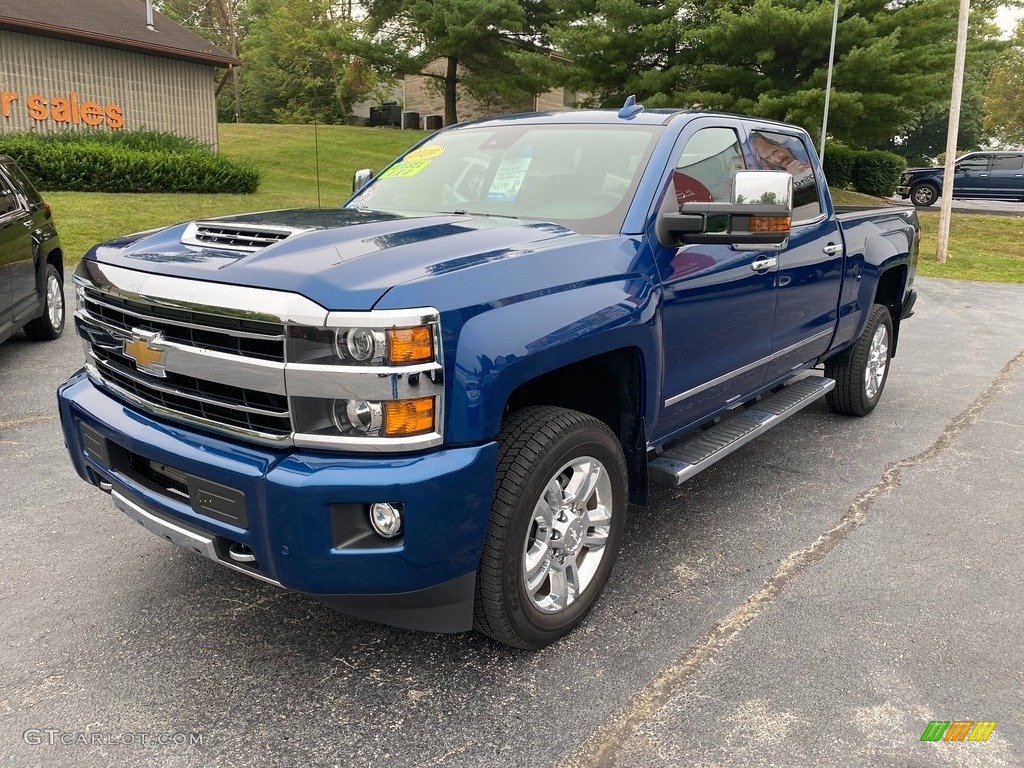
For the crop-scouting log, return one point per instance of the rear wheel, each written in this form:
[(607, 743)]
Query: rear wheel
[(923, 195), (51, 324), (861, 373), (556, 525)]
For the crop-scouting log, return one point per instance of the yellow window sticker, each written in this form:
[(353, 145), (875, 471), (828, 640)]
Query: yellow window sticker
[(425, 153), (405, 169)]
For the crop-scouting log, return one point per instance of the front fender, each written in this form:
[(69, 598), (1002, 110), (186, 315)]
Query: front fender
[(507, 345)]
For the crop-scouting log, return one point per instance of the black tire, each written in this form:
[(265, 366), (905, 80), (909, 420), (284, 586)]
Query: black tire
[(923, 195), (855, 393), (50, 325), (535, 445)]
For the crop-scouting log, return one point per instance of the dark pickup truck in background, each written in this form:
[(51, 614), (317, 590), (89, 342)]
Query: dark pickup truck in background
[(31, 261), (432, 406), (978, 175)]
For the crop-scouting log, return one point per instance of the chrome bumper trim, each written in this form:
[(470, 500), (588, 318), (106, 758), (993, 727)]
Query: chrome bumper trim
[(176, 534)]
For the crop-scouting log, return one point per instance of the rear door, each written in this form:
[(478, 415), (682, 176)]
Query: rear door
[(24, 283), (718, 305), (810, 266), (1006, 176), (14, 239)]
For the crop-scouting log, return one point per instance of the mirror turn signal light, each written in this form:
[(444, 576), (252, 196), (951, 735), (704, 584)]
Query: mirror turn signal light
[(769, 224)]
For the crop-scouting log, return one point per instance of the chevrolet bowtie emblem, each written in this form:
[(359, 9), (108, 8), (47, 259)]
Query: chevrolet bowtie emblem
[(147, 350)]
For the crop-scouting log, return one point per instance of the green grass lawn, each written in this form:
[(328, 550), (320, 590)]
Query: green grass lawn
[(989, 248)]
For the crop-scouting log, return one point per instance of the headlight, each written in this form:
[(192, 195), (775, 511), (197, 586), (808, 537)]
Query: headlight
[(361, 346), (367, 381)]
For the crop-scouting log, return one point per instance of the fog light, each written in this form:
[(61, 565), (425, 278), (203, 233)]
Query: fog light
[(386, 519)]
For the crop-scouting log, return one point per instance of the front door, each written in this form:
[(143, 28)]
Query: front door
[(718, 304), (970, 178)]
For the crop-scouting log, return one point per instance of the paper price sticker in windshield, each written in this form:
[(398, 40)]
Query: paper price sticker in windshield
[(509, 179), (425, 153), (405, 169)]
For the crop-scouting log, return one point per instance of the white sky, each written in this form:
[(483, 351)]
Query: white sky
[(1006, 18)]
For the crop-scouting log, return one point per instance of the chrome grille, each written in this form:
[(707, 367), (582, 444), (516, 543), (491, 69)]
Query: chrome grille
[(220, 391), (236, 237), (262, 412), (247, 338)]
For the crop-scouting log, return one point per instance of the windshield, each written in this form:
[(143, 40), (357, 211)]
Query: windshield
[(580, 176)]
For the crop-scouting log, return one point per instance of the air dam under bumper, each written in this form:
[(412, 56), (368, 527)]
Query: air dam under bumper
[(301, 514)]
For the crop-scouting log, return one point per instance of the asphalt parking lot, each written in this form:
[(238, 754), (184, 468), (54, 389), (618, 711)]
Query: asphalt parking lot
[(814, 599)]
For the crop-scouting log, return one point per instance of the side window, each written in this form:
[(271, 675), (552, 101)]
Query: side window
[(973, 163), (8, 197), (781, 152), (1008, 163), (705, 167)]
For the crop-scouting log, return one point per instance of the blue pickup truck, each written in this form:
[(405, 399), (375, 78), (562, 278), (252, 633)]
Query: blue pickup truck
[(432, 406)]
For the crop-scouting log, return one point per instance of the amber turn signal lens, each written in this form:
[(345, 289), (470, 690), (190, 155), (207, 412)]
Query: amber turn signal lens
[(770, 224), (408, 417), (410, 345)]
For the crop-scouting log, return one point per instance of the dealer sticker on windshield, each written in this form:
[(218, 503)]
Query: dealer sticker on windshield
[(425, 153), (405, 169), (509, 179)]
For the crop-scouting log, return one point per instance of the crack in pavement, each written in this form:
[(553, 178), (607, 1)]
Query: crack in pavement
[(601, 749), (22, 422)]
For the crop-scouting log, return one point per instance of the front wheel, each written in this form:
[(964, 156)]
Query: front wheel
[(556, 524), (51, 324), (861, 373), (923, 195)]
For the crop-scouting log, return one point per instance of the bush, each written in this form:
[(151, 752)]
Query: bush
[(838, 165), (130, 161), (876, 172)]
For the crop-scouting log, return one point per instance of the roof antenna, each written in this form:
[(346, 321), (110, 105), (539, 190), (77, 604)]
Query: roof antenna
[(630, 109), (149, 15)]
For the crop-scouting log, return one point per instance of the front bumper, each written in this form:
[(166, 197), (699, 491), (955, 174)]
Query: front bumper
[(301, 514), (903, 191)]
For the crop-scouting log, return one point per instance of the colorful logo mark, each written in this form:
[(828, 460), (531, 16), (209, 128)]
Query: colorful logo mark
[(958, 730)]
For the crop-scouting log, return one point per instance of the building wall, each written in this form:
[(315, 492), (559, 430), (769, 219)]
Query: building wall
[(421, 97), (149, 91)]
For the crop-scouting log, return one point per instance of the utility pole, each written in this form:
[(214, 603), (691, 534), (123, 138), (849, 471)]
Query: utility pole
[(828, 85), (946, 211), (227, 18)]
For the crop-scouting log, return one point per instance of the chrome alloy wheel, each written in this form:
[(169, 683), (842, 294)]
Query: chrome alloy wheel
[(566, 539), (878, 360), (54, 301)]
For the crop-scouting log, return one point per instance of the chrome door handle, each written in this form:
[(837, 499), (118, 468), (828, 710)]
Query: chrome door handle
[(762, 264), (832, 249), (982, 175)]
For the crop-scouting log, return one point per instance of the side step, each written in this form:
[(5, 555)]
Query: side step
[(683, 462)]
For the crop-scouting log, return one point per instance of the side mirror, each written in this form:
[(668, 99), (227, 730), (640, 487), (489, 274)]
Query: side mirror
[(361, 178), (760, 212)]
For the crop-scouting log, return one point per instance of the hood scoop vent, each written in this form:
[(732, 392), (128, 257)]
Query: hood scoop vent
[(235, 237)]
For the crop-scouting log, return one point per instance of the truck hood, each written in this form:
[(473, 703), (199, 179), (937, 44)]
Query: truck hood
[(340, 258)]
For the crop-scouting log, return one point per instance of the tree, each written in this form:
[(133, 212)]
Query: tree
[(770, 58), (296, 63), (1004, 93), (489, 47)]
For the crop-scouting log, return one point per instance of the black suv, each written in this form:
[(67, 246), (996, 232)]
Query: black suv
[(979, 175), (31, 263)]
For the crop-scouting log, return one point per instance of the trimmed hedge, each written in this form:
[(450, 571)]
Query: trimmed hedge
[(838, 165), (876, 172), (130, 161)]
